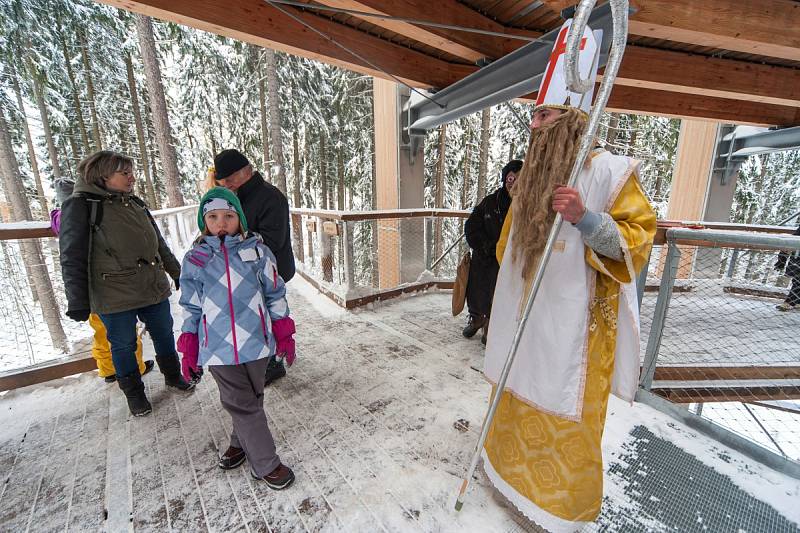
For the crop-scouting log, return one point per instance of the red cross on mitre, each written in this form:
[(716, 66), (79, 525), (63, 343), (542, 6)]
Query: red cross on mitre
[(559, 49)]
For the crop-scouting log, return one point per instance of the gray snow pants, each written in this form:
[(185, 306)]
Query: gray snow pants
[(241, 391)]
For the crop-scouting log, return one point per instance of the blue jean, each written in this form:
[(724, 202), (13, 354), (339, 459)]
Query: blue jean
[(121, 332)]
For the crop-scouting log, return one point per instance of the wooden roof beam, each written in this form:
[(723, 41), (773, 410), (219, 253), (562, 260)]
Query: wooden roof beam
[(651, 68), (469, 46), (763, 27), (643, 101), (627, 99), (257, 22)]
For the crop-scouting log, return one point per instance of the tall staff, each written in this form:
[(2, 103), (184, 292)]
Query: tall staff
[(619, 11)]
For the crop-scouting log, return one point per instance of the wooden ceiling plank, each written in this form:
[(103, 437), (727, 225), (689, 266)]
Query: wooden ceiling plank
[(709, 76), (627, 99), (257, 22), (764, 27), (469, 46)]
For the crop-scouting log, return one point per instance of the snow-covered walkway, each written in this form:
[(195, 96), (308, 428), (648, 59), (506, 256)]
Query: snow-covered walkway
[(378, 418)]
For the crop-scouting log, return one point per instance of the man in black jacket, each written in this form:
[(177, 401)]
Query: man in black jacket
[(482, 230), (267, 212)]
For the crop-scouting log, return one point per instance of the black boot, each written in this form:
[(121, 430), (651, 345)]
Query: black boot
[(474, 323), (170, 366), (133, 388), (275, 371)]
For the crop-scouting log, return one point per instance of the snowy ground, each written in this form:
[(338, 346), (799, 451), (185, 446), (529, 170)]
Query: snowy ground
[(378, 417)]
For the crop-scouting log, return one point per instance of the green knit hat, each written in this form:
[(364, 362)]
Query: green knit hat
[(225, 194)]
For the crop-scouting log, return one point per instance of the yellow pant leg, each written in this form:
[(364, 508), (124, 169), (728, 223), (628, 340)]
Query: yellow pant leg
[(101, 349)]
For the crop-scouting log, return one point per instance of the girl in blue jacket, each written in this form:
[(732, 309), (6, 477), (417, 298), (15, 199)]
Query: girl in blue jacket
[(237, 319)]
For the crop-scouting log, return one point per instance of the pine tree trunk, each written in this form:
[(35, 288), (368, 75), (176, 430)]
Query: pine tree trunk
[(309, 191), (486, 121), (76, 100), (297, 184), (72, 162), (158, 103), (31, 249), (297, 221), (275, 117), (98, 141), (323, 171), (152, 154), (439, 192), (31, 149), (467, 165), (214, 150), (325, 241), (262, 106), (38, 92), (137, 118), (631, 149), (613, 132), (340, 179)]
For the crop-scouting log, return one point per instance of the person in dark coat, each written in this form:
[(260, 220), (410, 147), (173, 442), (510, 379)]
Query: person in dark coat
[(266, 210), (482, 230), (116, 264), (790, 262)]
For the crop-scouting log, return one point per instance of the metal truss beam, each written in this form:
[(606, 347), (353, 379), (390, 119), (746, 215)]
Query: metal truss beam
[(514, 75)]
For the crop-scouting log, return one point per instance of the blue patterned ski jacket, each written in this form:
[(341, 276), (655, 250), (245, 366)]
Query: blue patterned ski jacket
[(229, 309)]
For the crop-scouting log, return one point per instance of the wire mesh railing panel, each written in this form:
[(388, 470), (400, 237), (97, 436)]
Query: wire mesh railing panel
[(28, 337), (726, 320), (719, 334), (358, 258), (33, 303)]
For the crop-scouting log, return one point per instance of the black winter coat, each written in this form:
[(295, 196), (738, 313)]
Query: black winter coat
[(790, 261), (482, 230), (267, 212)]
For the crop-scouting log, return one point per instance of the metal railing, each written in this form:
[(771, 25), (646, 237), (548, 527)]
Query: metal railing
[(25, 340), (359, 257), (713, 338)]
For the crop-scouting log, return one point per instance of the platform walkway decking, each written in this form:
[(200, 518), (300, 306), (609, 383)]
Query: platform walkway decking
[(378, 418)]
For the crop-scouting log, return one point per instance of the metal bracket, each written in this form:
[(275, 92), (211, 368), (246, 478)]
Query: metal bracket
[(734, 148), (516, 74)]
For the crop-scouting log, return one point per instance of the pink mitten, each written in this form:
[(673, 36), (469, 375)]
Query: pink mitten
[(189, 346), (283, 330)]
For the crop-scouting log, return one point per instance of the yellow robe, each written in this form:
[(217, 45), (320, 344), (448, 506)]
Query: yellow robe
[(553, 462)]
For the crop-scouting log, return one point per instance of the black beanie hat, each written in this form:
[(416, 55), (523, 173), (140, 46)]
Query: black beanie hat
[(229, 161), (515, 165)]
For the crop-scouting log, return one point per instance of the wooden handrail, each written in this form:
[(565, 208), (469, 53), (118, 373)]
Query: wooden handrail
[(359, 216), (41, 229)]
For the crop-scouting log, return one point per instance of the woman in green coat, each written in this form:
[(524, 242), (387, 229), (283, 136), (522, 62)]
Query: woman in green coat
[(116, 264)]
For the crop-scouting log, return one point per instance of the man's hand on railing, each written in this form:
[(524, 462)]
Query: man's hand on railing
[(80, 315)]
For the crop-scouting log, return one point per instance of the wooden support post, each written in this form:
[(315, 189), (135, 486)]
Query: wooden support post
[(386, 176), (690, 180)]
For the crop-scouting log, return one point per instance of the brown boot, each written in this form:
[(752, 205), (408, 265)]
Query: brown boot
[(232, 458), (280, 478)]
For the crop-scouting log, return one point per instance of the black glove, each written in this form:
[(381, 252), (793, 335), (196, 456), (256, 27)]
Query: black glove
[(177, 284), (79, 315), (780, 263)]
